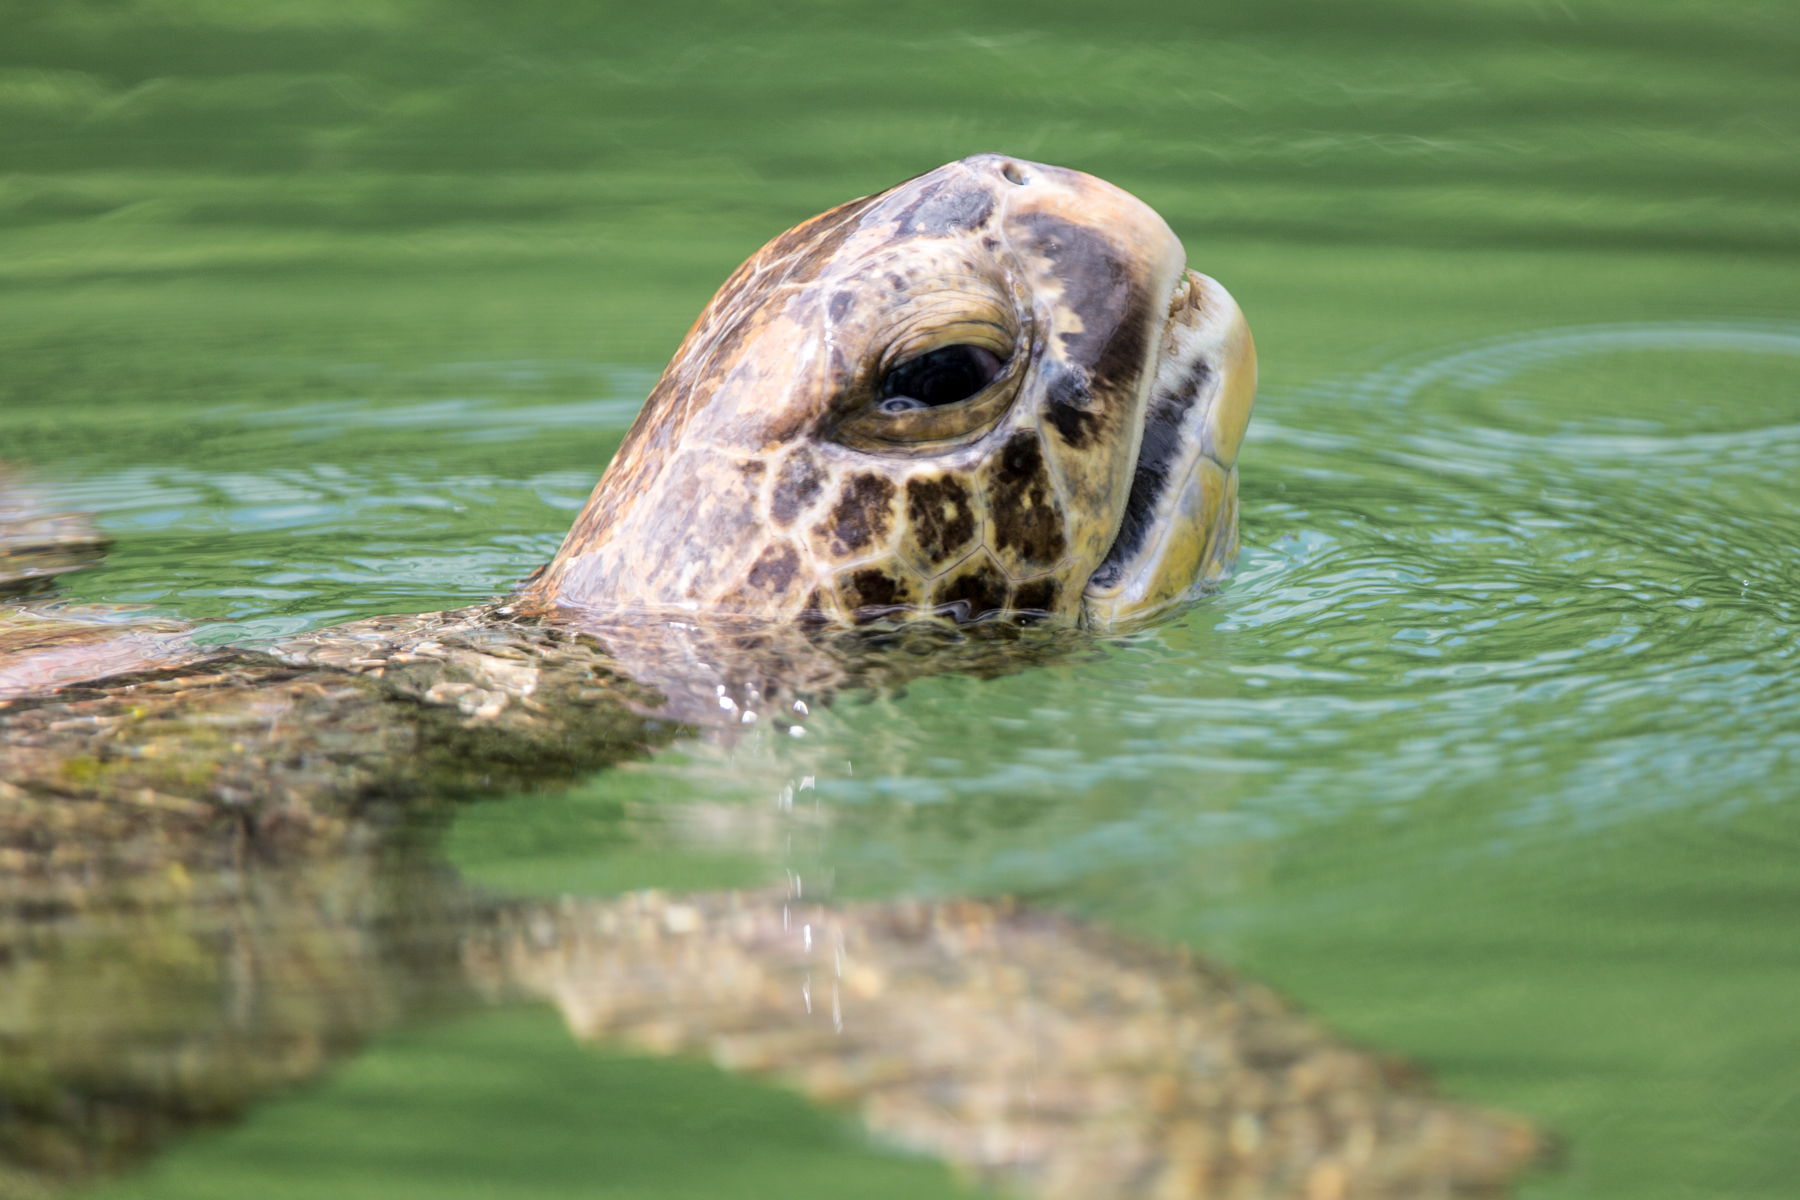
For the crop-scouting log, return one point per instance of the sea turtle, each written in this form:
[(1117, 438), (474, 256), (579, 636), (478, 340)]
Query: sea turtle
[(984, 403)]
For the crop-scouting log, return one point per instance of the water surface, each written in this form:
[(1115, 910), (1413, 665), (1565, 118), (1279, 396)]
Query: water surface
[(1487, 755)]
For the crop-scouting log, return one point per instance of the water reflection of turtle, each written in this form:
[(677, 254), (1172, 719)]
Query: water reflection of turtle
[(924, 431)]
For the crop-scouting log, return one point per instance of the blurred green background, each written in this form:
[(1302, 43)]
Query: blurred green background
[(338, 307)]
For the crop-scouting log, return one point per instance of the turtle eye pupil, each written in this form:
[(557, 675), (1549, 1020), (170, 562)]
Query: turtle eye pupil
[(944, 376)]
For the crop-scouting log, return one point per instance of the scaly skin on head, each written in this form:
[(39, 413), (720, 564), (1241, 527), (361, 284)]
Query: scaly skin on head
[(766, 479)]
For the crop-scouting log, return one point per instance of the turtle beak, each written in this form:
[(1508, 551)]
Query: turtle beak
[(1179, 536)]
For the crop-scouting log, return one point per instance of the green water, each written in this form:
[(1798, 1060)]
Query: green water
[(502, 1109), (1488, 754)]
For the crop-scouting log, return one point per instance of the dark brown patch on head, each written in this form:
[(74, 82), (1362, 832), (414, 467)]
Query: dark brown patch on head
[(769, 586), (796, 486), (1069, 404), (948, 206), (1109, 352), (869, 593), (1037, 596), (1097, 285), (939, 517), (840, 304), (774, 569), (972, 591), (1126, 355), (862, 516), (1027, 520)]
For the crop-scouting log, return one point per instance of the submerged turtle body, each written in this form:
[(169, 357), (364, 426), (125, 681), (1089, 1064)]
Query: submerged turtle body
[(991, 390)]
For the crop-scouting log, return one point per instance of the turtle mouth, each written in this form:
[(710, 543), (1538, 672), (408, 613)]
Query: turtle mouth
[(1167, 451), (1178, 534)]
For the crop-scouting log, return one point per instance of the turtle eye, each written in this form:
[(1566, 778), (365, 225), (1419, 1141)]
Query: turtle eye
[(942, 376), (950, 395)]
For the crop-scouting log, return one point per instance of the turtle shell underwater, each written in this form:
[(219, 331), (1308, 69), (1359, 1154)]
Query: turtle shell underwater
[(989, 400)]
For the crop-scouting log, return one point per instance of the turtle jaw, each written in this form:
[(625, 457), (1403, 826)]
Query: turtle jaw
[(1179, 535)]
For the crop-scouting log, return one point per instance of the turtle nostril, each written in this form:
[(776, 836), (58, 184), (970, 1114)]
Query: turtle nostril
[(1013, 174)]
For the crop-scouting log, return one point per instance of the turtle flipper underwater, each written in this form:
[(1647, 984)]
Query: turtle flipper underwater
[(929, 430)]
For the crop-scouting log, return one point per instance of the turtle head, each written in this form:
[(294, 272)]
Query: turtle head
[(994, 388)]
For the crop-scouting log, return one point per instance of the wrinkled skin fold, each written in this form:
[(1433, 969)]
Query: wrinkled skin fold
[(1092, 478)]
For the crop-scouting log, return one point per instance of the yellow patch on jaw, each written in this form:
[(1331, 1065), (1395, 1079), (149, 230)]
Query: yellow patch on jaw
[(1190, 541), (1234, 350), (1181, 557)]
